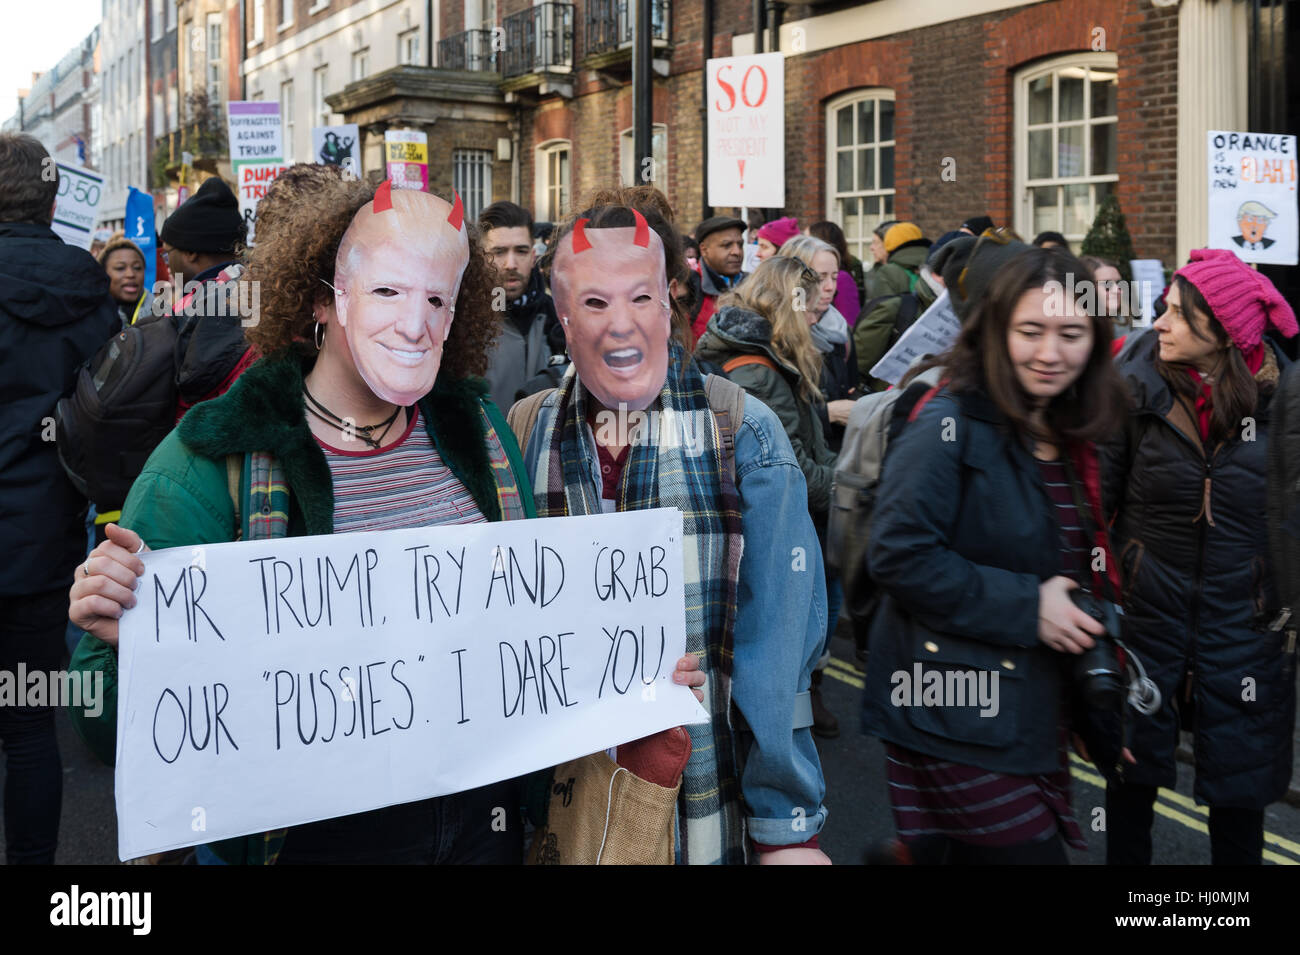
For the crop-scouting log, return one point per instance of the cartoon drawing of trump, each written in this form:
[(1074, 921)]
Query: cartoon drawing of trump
[(1253, 219)]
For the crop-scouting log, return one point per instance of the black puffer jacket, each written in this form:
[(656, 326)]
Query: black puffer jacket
[(1191, 537), (55, 312)]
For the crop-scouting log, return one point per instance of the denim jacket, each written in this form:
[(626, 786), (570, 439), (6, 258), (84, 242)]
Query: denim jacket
[(782, 594)]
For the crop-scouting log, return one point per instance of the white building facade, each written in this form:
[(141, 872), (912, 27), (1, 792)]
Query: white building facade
[(123, 105)]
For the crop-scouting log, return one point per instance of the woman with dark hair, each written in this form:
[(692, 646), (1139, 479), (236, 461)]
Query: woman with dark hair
[(1186, 486), (124, 263), (366, 413), (986, 520), (848, 282)]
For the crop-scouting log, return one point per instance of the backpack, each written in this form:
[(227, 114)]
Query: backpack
[(726, 401), (123, 405), (873, 422)]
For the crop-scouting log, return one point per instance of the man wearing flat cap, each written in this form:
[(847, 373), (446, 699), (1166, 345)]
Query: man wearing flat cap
[(722, 254)]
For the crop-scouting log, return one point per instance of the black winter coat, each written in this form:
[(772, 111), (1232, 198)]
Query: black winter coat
[(1192, 539), (55, 312), (964, 534)]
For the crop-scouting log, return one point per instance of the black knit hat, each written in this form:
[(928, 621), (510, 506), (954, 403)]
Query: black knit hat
[(955, 257), (208, 222)]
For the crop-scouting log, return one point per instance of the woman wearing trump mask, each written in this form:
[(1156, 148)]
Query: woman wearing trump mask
[(634, 425), (364, 415)]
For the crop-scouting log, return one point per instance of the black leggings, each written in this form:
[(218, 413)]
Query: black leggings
[(1236, 835)]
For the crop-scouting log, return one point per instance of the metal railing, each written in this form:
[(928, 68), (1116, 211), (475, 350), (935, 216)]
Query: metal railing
[(609, 23), (538, 39), (471, 50)]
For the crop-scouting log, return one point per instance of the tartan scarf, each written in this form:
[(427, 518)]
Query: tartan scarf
[(682, 465)]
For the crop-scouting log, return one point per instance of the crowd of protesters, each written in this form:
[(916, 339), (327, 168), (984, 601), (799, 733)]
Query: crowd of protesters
[(1059, 457)]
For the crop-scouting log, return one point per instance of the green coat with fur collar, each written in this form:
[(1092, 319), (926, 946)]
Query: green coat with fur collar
[(182, 496)]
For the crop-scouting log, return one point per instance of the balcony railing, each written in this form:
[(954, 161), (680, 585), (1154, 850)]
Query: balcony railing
[(538, 39), (471, 50), (609, 23)]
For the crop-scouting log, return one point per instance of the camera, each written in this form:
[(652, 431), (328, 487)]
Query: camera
[(1098, 672)]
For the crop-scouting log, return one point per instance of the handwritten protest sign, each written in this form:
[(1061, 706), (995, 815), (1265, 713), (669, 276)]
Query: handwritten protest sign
[(254, 178), (1252, 209), (1149, 276), (266, 684), (746, 103), (255, 131), (406, 154), (932, 333), (75, 203)]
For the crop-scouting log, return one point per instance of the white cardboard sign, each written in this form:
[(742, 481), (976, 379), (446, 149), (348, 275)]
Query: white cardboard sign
[(253, 179), (931, 334), (1253, 196), (746, 102), (265, 684), (74, 207), (255, 131)]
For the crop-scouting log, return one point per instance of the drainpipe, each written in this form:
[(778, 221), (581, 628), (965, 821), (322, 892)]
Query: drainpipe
[(706, 210)]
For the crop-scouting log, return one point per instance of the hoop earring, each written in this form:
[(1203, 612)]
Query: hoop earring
[(318, 336)]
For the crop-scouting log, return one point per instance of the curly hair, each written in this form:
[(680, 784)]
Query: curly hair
[(294, 260)]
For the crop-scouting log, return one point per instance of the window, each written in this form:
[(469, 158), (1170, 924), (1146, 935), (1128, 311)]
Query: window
[(286, 117), (471, 176), (408, 47), (1066, 136), (860, 164), (259, 20), (156, 19), (319, 89), (171, 13), (286, 14), (360, 64), (553, 177), (658, 173), (214, 57)]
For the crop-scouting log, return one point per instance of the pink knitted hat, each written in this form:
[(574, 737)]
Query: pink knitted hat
[(1244, 302), (779, 231)]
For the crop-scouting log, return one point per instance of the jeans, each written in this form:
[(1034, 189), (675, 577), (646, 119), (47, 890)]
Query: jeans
[(1236, 835), (31, 633)]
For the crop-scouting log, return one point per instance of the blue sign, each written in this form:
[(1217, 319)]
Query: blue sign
[(140, 230)]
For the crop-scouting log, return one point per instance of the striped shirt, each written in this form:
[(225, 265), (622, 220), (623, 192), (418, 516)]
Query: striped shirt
[(405, 485), (1074, 542)]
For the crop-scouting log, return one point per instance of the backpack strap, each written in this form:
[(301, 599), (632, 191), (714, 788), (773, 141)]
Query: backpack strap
[(741, 360), (727, 402), (234, 471), (522, 416)]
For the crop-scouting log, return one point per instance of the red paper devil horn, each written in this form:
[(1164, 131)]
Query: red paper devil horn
[(580, 241), (642, 237), (384, 196), (457, 213)]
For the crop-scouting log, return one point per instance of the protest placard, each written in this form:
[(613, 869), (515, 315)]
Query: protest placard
[(1252, 209), (266, 684), (338, 146), (75, 203), (253, 179), (931, 334), (255, 132), (406, 154), (746, 115), (1149, 277)]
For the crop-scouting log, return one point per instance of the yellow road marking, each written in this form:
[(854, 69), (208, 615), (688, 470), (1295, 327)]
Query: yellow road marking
[(847, 673)]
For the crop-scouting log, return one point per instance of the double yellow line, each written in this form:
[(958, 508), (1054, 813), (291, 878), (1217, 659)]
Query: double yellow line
[(1170, 804)]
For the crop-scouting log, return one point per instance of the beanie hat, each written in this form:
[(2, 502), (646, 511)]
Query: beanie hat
[(1243, 301), (976, 224), (208, 222), (939, 243), (902, 234), (780, 231), (980, 267)]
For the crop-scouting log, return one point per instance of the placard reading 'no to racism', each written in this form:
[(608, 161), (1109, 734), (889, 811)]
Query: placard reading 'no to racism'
[(267, 684)]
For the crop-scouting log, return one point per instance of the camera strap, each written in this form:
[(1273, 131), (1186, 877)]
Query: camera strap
[(1088, 521)]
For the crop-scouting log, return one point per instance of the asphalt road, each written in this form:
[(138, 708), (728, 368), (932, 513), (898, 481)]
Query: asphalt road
[(857, 797)]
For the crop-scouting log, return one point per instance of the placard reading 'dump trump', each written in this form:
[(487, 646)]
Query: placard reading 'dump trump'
[(266, 684)]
